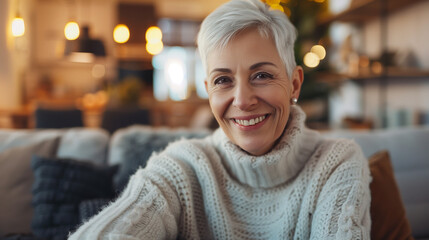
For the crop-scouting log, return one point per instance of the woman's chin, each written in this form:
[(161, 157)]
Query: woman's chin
[(255, 148)]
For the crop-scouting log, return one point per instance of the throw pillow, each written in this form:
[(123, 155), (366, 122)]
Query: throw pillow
[(60, 186), (16, 179), (387, 210), (132, 147)]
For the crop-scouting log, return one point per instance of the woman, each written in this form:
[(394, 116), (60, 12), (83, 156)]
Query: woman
[(262, 174)]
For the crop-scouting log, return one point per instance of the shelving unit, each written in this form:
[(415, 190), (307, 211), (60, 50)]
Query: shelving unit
[(360, 13), (365, 10)]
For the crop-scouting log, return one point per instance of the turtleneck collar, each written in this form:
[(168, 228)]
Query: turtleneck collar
[(282, 163)]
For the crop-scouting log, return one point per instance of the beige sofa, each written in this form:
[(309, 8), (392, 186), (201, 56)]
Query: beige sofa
[(130, 147)]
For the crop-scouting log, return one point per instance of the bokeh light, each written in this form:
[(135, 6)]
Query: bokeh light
[(71, 30), (121, 33), (154, 48), (18, 27), (311, 60), (98, 71), (153, 35), (319, 50)]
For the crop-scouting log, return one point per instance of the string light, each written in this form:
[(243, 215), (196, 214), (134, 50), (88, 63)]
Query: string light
[(153, 35), (154, 43), (121, 33), (18, 27), (71, 30), (154, 48), (319, 50), (311, 60)]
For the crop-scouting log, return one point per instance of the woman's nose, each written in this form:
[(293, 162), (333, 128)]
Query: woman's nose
[(244, 97)]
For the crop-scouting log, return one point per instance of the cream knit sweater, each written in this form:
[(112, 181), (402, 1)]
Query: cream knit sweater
[(307, 187)]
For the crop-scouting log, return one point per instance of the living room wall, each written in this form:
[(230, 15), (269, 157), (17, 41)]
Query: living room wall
[(14, 57)]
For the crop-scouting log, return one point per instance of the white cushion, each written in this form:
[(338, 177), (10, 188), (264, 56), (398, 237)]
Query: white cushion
[(85, 144)]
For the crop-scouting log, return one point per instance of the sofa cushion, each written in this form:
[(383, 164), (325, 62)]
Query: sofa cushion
[(388, 216), (16, 179), (131, 147), (59, 188), (84, 144), (91, 207), (409, 153), (10, 138)]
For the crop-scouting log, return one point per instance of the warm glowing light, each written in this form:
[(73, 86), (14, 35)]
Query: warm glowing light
[(121, 33), (311, 60), (273, 2), (377, 67), (364, 62), (98, 71), (81, 57), (319, 50), (154, 48), (319, 1), (277, 7), (153, 35), (71, 31), (101, 98), (18, 27)]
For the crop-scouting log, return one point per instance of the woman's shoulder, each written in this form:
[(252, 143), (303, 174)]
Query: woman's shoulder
[(185, 151), (189, 146), (339, 151)]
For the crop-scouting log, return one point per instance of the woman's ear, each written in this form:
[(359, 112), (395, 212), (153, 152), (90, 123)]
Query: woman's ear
[(297, 80)]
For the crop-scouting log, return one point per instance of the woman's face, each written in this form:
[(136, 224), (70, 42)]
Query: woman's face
[(249, 91)]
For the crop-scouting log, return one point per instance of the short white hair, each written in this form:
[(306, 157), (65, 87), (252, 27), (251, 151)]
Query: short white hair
[(226, 21)]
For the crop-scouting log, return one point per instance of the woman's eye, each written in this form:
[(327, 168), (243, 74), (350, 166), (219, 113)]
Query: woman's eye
[(262, 75), (221, 80)]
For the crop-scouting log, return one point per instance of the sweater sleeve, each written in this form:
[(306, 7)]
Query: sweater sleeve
[(148, 208), (342, 210)]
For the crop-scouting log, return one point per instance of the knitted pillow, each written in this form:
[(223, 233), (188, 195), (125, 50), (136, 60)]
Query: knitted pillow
[(89, 208), (133, 146), (16, 179), (60, 186), (387, 210)]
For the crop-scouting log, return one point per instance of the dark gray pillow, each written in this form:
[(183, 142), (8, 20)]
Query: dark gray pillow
[(59, 188), (136, 146), (16, 179)]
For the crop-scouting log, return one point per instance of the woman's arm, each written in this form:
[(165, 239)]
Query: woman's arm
[(342, 210), (148, 208)]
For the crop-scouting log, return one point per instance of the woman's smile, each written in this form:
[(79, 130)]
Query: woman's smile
[(249, 123)]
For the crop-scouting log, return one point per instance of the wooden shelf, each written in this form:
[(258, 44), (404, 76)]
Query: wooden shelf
[(392, 73), (362, 11)]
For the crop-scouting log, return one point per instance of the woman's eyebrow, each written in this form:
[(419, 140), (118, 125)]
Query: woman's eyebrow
[(256, 65), (224, 70)]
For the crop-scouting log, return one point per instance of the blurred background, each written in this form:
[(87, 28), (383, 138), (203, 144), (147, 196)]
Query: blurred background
[(113, 63)]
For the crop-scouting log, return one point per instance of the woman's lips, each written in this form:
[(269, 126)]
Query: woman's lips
[(250, 122)]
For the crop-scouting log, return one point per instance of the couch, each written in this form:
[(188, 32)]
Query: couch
[(46, 176)]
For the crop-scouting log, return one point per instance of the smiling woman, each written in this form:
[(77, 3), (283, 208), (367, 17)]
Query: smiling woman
[(250, 91), (262, 174)]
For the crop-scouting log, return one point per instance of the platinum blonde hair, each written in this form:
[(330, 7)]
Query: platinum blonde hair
[(228, 20)]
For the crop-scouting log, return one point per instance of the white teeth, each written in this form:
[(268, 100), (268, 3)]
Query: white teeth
[(250, 122)]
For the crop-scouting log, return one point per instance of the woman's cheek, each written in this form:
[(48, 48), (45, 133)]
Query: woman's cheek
[(218, 103)]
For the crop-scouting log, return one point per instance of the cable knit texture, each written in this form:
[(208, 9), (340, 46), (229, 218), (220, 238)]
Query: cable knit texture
[(306, 187)]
